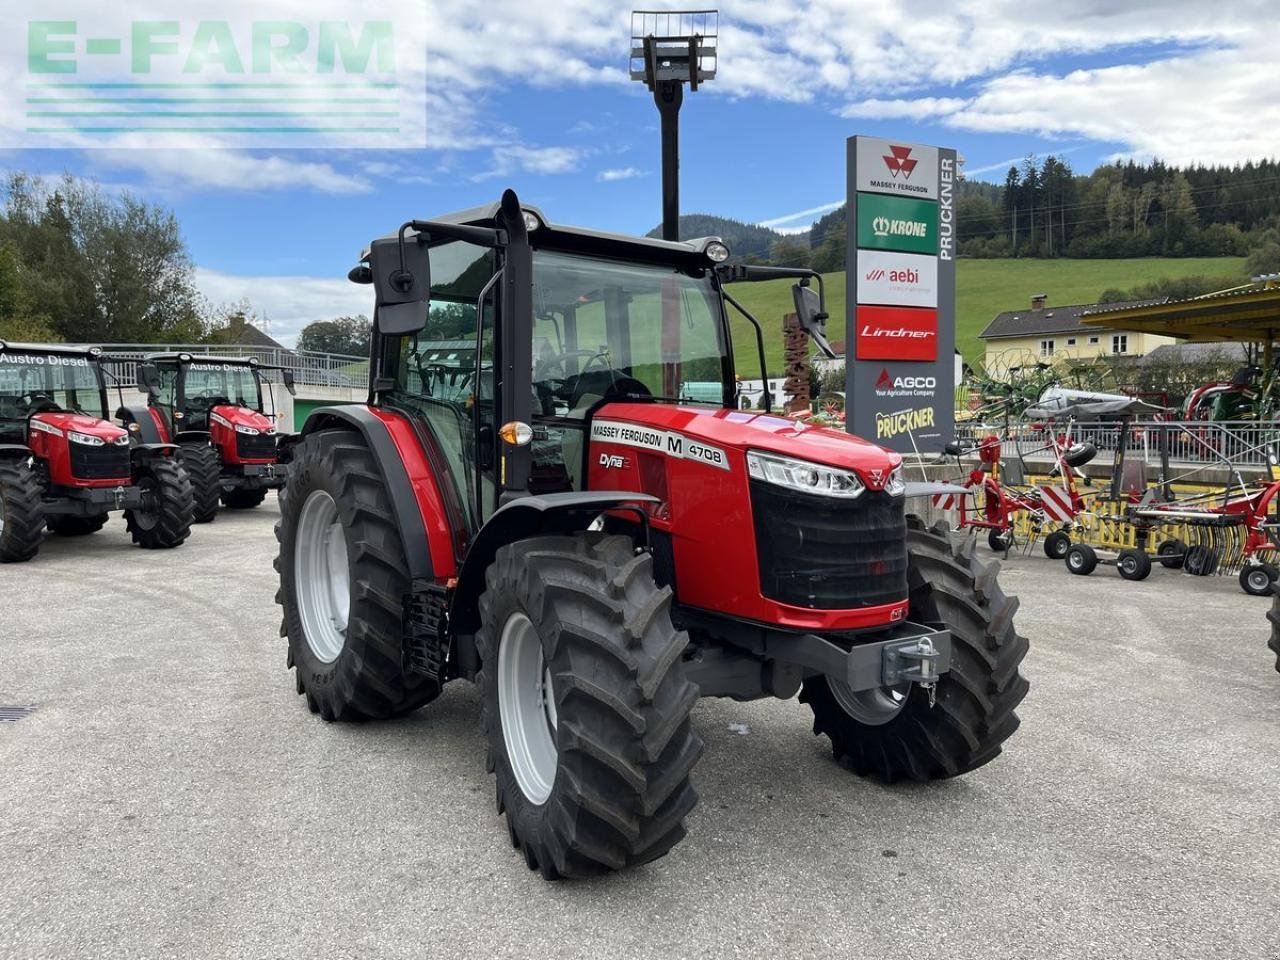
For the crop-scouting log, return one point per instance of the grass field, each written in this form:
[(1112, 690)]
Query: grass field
[(983, 289)]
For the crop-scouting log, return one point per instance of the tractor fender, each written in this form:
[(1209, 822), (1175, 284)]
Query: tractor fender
[(377, 437), (520, 519), (144, 452), (193, 436), (285, 444), (14, 451), (140, 414)]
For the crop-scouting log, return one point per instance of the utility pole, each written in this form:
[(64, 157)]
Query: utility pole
[(670, 48)]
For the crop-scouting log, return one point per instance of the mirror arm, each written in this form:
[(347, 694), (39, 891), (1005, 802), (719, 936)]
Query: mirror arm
[(764, 373)]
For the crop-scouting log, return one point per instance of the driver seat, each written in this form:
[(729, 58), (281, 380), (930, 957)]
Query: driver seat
[(575, 438)]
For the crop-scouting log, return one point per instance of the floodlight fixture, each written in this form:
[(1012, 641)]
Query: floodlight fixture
[(670, 48)]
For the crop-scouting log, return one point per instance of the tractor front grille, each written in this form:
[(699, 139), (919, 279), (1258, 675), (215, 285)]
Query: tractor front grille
[(107, 462), (260, 447), (828, 553)]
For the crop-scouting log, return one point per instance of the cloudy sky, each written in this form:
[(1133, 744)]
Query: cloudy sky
[(535, 96)]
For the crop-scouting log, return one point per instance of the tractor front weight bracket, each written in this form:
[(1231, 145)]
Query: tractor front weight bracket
[(911, 652)]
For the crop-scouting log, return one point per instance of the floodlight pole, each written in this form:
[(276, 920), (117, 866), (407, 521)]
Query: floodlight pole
[(669, 96)]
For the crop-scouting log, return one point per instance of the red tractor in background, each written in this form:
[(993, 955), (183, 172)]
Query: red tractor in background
[(536, 498), (64, 465), (212, 407)]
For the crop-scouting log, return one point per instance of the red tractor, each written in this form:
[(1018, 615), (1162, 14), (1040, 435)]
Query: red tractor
[(532, 500), (213, 408), (64, 465)]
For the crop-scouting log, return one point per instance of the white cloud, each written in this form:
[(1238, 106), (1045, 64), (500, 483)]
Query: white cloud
[(921, 108), (222, 169), (288, 303), (536, 160), (811, 214), (619, 173)]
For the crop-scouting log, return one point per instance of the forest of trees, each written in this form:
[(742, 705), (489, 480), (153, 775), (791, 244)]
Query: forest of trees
[(80, 265)]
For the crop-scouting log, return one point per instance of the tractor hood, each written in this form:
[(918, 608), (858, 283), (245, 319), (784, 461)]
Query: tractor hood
[(61, 423), (231, 416), (770, 433)]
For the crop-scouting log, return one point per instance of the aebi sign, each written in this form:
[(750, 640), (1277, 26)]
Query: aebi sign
[(896, 333), (897, 279)]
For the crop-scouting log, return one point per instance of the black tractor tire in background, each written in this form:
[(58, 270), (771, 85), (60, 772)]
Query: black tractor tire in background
[(1256, 579), (243, 498), (367, 680), (1274, 616), (1081, 559), (21, 510), (624, 747), (1057, 544), (168, 522), (974, 714), (68, 526), (1171, 554), (1133, 563), (204, 467)]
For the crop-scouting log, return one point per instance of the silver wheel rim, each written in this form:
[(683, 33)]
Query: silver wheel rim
[(527, 708), (1259, 579), (323, 577), (1129, 565), (873, 707), (1076, 560)]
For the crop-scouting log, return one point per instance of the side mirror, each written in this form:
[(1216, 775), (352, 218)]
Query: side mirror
[(149, 380), (402, 282), (287, 376), (813, 315)]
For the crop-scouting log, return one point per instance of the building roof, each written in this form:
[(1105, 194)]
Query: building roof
[(1192, 352), (1032, 323), (1249, 314)]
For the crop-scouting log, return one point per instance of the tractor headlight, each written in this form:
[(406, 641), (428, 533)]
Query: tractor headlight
[(803, 476), (896, 485), (717, 252), (248, 431), (84, 438), (122, 440)]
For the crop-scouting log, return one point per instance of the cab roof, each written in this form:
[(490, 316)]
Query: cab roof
[(60, 349), (176, 356), (582, 239)]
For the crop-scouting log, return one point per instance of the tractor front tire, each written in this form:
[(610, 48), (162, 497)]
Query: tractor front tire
[(68, 526), (240, 498), (343, 580), (167, 523), (204, 467), (21, 512), (976, 699), (585, 704)]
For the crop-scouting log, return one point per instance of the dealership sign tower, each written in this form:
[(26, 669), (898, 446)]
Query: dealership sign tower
[(901, 294)]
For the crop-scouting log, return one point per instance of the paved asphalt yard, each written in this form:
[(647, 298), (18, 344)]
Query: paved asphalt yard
[(172, 796)]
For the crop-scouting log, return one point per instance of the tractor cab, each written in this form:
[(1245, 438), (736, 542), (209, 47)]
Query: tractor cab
[(53, 399), (222, 412)]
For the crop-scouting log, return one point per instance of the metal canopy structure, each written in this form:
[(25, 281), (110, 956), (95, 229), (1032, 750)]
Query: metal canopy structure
[(1249, 314)]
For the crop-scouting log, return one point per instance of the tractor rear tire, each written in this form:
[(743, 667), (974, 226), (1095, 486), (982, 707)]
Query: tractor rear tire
[(168, 523), (1274, 616), (21, 512), (1132, 563), (68, 526), (204, 467), (1057, 544), (597, 777), (356, 671), (243, 499), (974, 714), (1081, 559)]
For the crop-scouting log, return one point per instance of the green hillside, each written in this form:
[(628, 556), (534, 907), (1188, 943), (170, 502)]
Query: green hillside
[(983, 289)]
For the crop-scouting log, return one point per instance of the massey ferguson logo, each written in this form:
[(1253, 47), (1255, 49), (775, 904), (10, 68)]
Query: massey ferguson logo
[(899, 161), (877, 477), (885, 228)]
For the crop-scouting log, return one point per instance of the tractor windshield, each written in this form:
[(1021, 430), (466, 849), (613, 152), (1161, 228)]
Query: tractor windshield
[(209, 384), (30, 382), (604, 328)]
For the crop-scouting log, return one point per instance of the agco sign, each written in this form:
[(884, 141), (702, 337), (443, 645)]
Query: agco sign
[(888, 385)]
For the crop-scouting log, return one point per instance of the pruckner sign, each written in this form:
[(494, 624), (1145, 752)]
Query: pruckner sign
[(900, 292)]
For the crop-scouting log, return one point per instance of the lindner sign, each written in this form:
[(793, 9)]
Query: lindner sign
[(900, 289)]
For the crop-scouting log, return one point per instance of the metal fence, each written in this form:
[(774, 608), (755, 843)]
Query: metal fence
[(309, 368), (1241, 442)]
